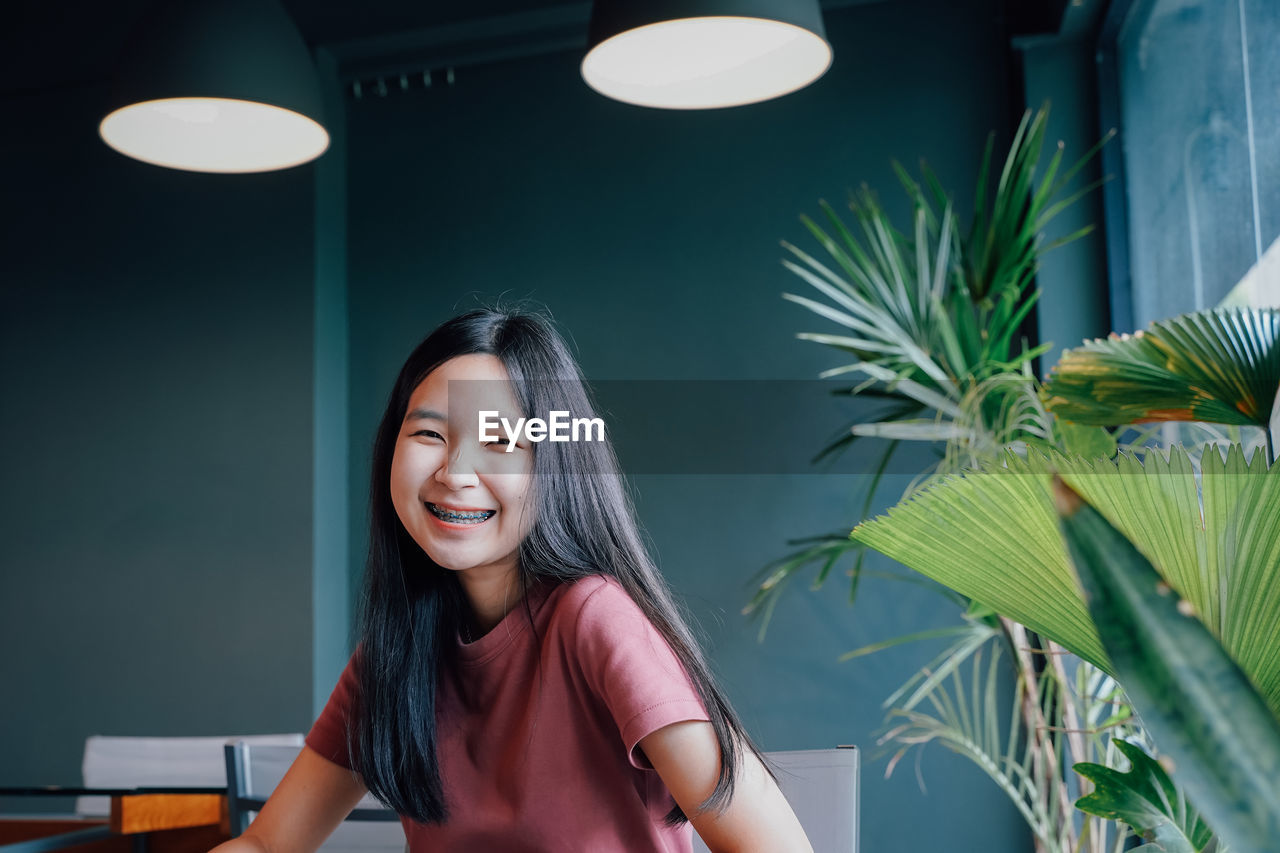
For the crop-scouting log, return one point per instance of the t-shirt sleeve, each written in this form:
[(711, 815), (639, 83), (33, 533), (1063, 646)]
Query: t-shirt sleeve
[(328, 736), (630, 665)]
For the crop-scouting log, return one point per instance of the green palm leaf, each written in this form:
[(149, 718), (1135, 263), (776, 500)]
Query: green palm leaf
[(1220, 366), (1145, 798), (992, 535)]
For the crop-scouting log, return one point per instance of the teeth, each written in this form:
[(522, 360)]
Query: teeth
[(460, 517)]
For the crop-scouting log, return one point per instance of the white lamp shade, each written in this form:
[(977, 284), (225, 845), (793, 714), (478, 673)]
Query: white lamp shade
[(217, 86), (701, 63), (214, 135), (701, 54)]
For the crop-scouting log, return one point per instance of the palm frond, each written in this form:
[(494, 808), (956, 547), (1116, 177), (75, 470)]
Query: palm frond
[(1221, 366), (932, 315), (967, 715), (992, 536)]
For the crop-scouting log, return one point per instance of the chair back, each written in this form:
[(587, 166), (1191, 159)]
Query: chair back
[(253, 770), (157, 762), (822, 787)]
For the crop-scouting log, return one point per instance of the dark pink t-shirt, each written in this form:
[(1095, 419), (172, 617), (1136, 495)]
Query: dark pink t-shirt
[(539, 760)]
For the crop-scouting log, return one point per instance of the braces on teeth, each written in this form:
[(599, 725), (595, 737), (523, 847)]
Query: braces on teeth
[(450, 515)]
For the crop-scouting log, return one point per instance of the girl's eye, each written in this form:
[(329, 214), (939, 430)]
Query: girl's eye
[(497, 441), (427, 433)]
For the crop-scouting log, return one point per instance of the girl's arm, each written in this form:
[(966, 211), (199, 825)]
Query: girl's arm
[(305, 808), (758, 818)]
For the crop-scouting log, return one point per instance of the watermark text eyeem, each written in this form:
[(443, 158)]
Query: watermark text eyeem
[(557, 427)]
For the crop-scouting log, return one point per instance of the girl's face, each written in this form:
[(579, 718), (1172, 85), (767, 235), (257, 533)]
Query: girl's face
[(464, 501)]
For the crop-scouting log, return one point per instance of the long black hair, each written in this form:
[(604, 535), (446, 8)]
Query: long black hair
[(583, 524)]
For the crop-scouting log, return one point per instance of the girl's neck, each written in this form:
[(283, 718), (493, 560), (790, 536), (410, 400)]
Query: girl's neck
[(492, 595)]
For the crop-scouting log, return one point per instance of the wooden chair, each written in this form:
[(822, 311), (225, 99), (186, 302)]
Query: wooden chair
[(158, 762), (822, 787), (253, 770)]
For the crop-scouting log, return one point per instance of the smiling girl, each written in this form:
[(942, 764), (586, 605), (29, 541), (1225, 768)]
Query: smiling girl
[(523, 681)]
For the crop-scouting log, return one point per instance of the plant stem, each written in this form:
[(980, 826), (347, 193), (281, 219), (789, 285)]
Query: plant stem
[(1038, 728), (1075, 739)]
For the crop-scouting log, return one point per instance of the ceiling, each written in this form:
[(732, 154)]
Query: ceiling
[(331, 21), (46, 45)]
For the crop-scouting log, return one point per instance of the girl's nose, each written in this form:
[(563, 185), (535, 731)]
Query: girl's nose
[(458, 471)]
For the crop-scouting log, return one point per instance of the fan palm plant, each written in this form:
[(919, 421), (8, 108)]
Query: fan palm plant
[(1205, 522)]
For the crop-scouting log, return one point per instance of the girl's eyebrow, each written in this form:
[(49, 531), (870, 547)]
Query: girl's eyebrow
[(425, 415)]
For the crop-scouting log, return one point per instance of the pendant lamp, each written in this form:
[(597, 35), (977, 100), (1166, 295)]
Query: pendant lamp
[(700, 54), (217, 86)]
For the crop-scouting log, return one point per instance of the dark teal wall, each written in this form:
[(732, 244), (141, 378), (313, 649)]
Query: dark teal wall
[(155, 502), (1072, 278), (653, 239), (331, 507)]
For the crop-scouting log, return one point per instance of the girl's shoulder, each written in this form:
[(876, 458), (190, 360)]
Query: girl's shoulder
[(593, 592), (595, 607)]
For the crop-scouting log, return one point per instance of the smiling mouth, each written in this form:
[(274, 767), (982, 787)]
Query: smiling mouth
[(456, 517)]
